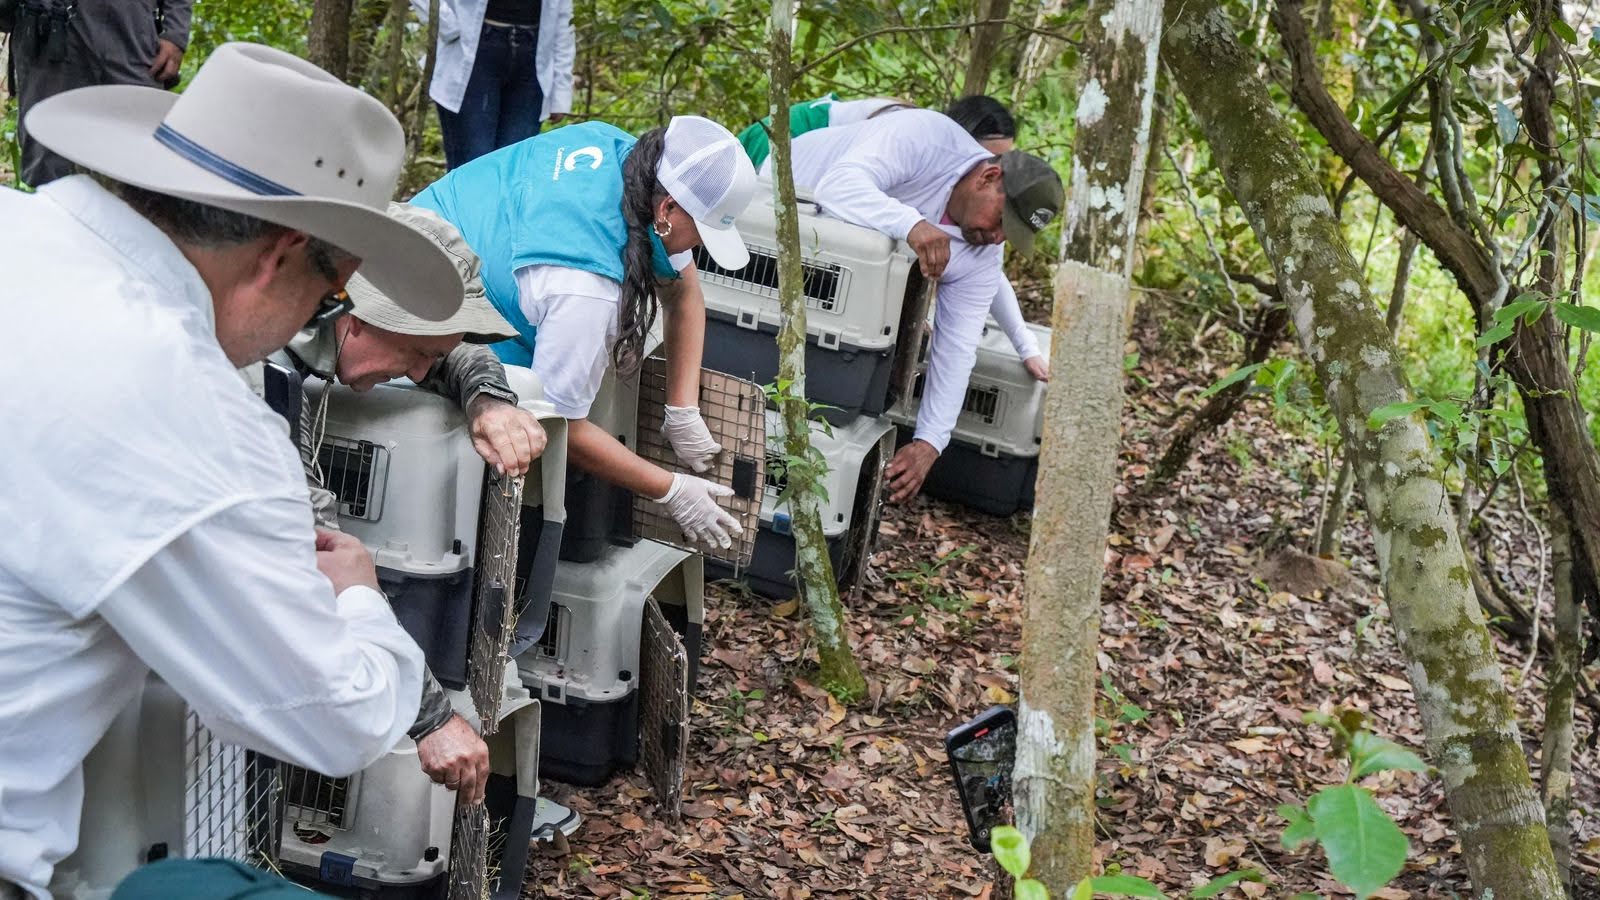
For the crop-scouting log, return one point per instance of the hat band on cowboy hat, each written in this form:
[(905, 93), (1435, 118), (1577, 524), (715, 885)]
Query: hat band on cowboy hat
[(266, 134)]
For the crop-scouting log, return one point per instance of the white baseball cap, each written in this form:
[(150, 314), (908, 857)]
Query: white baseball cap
[(707, 172)]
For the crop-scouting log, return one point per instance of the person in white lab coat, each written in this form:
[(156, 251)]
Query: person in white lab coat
[(504, 67), (918, 176), (989, 123), (160, 513)]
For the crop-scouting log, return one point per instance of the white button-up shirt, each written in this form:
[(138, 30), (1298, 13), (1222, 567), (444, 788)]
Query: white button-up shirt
[(157, 520), (889, 173), (460, 22)]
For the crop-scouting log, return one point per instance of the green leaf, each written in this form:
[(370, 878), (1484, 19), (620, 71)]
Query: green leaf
[(1370, 753), (1560, 27), (1393, 411), (1496, 334), (1365, 848), (1028, 889), (1083, 890), (1448, 410), (1010, 849), (1236, 376), (1221, 883), (1523, 304), (1584, 317), (1124, 886), (1506, 121), (1300, 829)]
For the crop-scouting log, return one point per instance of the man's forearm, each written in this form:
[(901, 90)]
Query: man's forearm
[(435, 710), (175, 18), (469, 370)]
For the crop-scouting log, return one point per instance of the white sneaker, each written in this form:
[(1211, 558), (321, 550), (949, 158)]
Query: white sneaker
[(551, 818)]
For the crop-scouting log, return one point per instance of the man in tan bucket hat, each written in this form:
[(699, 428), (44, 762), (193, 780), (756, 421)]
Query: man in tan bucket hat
[(379, 341), (158, 516)]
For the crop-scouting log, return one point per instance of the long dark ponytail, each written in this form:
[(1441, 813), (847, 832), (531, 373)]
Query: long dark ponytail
[(641, 191)]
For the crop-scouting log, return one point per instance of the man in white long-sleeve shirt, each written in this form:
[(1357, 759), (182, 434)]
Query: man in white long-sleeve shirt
[(918, 176), (158, 514)]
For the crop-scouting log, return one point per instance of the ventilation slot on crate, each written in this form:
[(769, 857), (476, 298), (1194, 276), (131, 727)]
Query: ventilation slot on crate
[(355, 471), (777, 475), (549, 645), (312, 800), (824, 282), (981, 401)]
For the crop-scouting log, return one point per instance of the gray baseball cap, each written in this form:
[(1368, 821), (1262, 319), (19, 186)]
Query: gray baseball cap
[(1034, 197)]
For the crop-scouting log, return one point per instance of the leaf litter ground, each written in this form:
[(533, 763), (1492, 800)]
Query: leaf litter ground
[(1218, 635)]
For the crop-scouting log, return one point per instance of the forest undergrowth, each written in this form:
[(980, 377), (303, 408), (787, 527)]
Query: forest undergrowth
[(1219, 633)]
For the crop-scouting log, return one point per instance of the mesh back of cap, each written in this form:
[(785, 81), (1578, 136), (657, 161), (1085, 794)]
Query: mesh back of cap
[(696, 175)]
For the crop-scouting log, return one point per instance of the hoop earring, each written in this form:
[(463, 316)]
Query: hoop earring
[(657, 228)]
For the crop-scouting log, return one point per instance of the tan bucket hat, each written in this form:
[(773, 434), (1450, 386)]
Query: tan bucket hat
[(476, 318), (267, 134)]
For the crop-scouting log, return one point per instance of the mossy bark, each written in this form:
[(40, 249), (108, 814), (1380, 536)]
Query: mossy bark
[(813, 570), (1468, 720), (1555, 754), (1054, 772)]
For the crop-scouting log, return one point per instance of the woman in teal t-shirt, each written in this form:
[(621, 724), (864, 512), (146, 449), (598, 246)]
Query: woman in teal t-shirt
[(578, 229)]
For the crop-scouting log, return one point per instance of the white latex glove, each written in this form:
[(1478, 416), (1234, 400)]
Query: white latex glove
[(692, 504), (690, 439)]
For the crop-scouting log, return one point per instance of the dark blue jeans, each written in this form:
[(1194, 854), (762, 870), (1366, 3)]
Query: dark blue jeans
[(503, 98)]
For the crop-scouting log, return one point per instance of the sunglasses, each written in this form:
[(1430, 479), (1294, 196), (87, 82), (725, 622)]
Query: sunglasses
[(329, 308)]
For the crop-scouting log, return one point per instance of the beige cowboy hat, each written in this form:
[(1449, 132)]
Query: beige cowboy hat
[(477, 317), (267, 134)]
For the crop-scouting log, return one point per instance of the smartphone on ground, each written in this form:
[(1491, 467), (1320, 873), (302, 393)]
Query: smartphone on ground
[(981, 753)]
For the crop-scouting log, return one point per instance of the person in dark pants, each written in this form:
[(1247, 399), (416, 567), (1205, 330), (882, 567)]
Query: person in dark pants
[(59, 45), (504, 67)]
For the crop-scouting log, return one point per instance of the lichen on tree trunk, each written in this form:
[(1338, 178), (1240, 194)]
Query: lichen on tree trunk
[(813, 569), (1468, 721), (1054, 771)]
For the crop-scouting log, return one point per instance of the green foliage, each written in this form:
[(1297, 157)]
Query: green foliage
[(1364, 847)]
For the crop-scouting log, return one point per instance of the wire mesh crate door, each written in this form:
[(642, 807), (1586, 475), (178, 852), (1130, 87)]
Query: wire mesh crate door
[(230, 799), (495, 600), (663, 709), (735, 412), (469, 876)]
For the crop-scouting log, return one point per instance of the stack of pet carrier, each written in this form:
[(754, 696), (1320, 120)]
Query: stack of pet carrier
[(993, 455), (617, 654), (463, 556), (866, 303)]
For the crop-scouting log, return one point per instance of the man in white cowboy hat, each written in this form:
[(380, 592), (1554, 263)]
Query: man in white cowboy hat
[(159, 517), (379, 341)]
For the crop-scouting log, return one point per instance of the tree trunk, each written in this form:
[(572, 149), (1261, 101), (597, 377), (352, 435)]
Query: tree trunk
[(1039, 51), (813, 569), (1054, 773), (1537, 358), (985, 41), (1555, 754), (1467, 716), (419, 122), (328, 43)]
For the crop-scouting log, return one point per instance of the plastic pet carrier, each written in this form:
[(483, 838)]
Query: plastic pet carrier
[(159, 784), (586, 668), (856, 454), (993, 455), (463, 577), (863, 292)]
